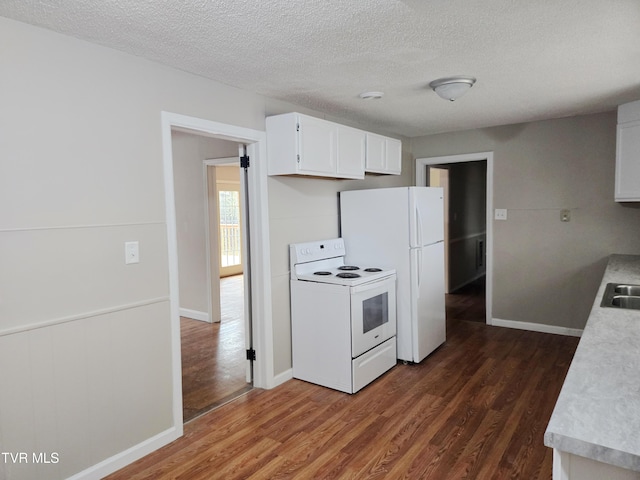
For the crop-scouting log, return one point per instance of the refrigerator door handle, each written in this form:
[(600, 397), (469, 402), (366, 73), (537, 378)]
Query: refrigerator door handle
[(418, 227), (419, 269)]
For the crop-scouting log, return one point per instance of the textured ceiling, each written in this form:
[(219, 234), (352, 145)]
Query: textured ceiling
[(534, 59)]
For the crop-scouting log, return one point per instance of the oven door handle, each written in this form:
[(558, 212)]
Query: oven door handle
[(381, 284)]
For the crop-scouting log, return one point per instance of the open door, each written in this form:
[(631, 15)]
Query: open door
[(229, 239)]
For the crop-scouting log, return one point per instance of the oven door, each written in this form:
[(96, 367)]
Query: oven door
[(373, 314)]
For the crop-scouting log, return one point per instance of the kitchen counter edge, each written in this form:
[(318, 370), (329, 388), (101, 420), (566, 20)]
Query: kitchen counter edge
[(597, 414)]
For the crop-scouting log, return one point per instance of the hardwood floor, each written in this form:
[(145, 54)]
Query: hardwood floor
[(468, 302), (476, 408), (213, 354)]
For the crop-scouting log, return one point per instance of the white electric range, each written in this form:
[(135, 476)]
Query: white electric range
[(343, 317)]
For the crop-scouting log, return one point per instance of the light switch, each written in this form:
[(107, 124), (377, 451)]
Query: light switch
[(131, 252), (500, 214)]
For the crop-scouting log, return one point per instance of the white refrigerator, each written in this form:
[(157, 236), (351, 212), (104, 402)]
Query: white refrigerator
[(403, 228)]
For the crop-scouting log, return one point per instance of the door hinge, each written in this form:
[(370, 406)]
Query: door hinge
[(251, 354), (244, 161)]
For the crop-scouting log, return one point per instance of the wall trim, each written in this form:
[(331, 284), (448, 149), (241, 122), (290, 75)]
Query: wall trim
[(82, 316), (122, 459), (468, 237), (283, 377), (537, 327), (78, 227), (195, 315)]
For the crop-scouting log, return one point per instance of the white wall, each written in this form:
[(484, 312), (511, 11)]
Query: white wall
[(547, 271), (84, 338)]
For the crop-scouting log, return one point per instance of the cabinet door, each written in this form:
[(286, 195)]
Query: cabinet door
[(350, 152), (393, 156), (628, 162), (317, 146), (384, 154), (376, 152)]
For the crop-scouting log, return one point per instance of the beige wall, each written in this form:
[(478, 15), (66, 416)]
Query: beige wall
[(84, 338), (304, 210), (189, 153), (546, 271)]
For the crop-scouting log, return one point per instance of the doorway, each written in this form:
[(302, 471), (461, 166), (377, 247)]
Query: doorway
[(256, 251), (213, 353), (467, 181), (208, 199)]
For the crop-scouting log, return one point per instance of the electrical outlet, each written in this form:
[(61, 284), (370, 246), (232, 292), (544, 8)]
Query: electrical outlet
[(131, 252), (565, 215), (500, 214)]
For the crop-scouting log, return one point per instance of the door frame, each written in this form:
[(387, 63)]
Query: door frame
[(260, 247), (422, 165)]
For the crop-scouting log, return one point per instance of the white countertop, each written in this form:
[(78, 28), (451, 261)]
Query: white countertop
[(597, 414)]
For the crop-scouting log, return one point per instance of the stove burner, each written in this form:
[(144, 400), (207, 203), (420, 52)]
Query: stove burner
[(322, 273), (348, 267), (373, 269), (348, 275)]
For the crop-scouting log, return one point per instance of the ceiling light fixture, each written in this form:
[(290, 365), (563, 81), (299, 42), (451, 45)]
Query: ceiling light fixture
[(452, 88), (370, 95)]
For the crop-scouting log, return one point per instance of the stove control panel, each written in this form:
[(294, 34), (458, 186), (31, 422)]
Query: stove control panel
[(314, 251)]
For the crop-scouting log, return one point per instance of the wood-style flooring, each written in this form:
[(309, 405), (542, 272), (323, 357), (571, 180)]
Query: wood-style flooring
[(477, 408), (468, 302), (213, 354)]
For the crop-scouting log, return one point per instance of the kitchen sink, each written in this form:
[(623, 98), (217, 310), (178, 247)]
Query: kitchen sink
[(621, 295), (626, 301), (633, 290)]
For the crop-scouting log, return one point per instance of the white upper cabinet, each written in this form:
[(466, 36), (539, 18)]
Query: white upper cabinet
[(317, 146), (628, 153), (350, 152), (298, 144), (384, 155)]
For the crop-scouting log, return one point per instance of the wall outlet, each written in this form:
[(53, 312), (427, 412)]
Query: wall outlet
[(565, 215), (131, 252), (500, 214)]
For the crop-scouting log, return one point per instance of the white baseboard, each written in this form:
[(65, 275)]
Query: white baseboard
[(281, 378), (122, 459), (537, 327), (195, 315)]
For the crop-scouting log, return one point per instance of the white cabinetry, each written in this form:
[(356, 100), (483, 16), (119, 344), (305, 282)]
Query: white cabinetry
[(628, 153), (351, 150), (567, 466), (384, 155), (298, 144)]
